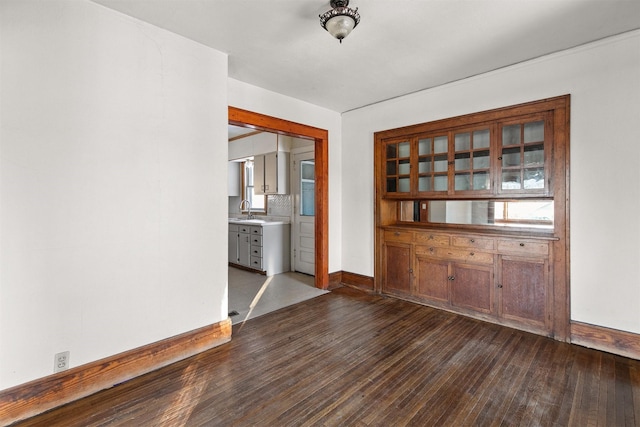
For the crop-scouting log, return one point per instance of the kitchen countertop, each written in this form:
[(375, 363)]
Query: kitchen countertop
[(256, 221)]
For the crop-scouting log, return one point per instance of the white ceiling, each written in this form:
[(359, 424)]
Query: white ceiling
[(400, 46)]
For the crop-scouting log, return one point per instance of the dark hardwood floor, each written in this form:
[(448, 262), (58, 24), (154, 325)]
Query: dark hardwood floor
[(351, 359)]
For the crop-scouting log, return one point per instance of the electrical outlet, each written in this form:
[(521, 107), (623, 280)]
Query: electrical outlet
[(61, 362)]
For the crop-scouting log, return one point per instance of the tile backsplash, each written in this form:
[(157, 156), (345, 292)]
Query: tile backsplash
[(279, 205)]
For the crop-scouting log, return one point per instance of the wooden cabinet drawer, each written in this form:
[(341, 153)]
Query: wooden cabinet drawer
[(464, 255), (398, 236), (523, 247), (455, 254), (433, 239), (473, 242)]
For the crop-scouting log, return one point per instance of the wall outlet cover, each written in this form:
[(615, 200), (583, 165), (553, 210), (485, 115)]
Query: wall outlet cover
[(61, 362)]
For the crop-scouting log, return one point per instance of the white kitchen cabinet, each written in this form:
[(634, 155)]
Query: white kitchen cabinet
[(271, 173), (263, 247), (240, 244), (233, 243), (234, 179)]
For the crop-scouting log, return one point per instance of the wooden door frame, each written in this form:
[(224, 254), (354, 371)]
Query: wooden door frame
[(239, 117)]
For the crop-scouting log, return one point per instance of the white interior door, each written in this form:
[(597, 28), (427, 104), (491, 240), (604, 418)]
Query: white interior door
[(303, 177)]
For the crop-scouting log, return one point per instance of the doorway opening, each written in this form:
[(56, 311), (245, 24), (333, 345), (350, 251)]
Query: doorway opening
[(261, 122)]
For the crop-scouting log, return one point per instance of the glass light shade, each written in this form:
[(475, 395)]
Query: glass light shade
[(340, 26)]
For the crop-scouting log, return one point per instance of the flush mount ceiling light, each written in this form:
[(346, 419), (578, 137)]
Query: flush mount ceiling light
[(340, 20)]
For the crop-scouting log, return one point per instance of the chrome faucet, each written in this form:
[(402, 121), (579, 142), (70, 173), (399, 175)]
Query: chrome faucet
[(248, 204)]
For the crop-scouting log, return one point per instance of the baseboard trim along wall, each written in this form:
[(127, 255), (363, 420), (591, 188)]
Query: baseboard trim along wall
[(353, 280), (623, 343), (35, 397)]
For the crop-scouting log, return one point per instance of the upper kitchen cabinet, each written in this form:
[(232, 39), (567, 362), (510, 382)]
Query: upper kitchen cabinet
[(271, 173), (235, 179), (451, 159)]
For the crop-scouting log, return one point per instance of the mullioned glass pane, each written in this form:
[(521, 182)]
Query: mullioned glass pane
[(534, 132)]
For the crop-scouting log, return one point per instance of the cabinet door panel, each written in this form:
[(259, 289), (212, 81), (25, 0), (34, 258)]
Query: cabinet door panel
[(432, 278), (244, 249), (524, 290), (397, 268), (471, 287), (233, 246)]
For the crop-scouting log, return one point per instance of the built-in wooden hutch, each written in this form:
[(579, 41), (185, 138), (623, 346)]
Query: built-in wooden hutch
[(472, 215)]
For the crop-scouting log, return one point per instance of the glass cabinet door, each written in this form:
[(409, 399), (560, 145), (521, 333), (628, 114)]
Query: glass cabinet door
[(472, 161), (522, 157), (398, 167), (433, 159)]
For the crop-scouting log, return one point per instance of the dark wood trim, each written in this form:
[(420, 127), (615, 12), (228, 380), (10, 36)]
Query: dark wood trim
[(244, 267), (614, 341), (259, 121), (335, 280), (358, 281), (352, 280), (32, 398)]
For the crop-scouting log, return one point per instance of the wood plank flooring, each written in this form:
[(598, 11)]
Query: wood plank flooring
[(351, 359)]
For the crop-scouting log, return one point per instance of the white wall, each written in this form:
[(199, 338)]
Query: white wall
[(258, 100), (603, 79), (113, 137)]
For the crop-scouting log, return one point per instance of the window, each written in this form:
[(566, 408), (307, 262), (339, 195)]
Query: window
[(258, 202), (307, 187)]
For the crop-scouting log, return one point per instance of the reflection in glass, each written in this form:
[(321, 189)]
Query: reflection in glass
[(440, 144), (424, 183), (404, 167), (511, 157), (424, 165), (534, 155), (481, 160), (481, 181), (440, 183), (511, 135), (307, 188), (463, 161), (403, 185), (462, 141), (520, 213), (534, 132), (403, 149), (481, 139), (462, 182), (424, 146), (511, 181), (534, 178), (440, 164)]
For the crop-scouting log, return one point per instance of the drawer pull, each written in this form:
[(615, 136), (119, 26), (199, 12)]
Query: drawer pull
[(430, 249), (472, 240), (430, 236), (521, 244), (472, 254), (396, 233), (500, 286), (451, 277)]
